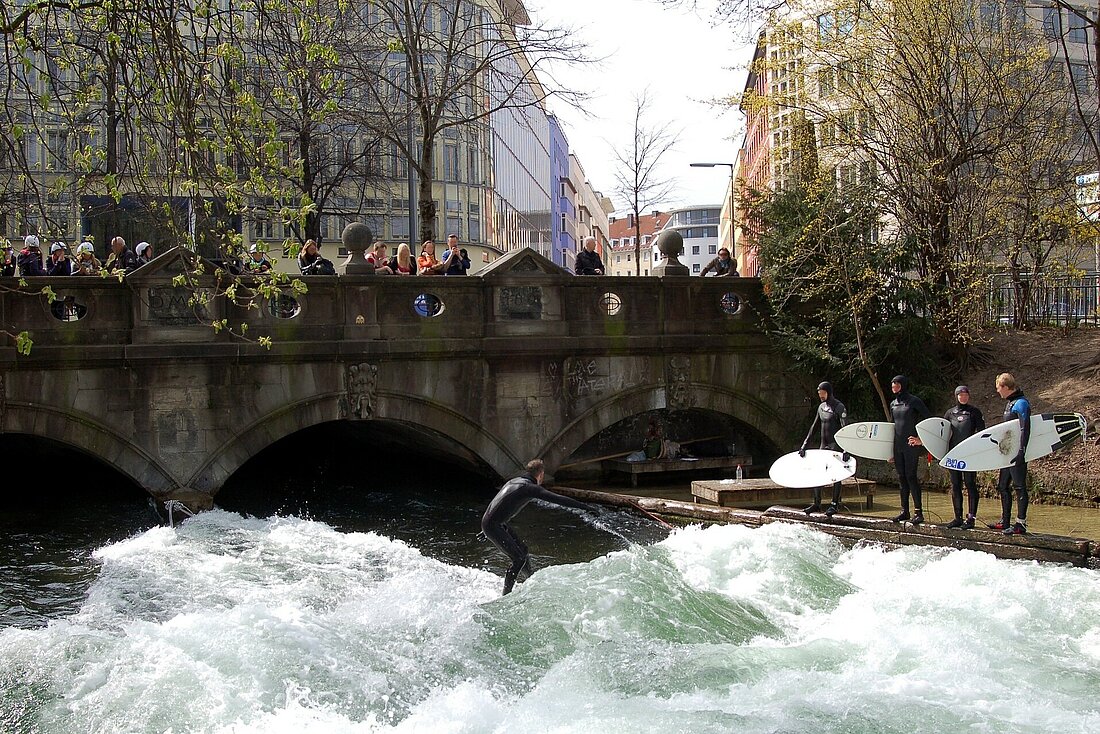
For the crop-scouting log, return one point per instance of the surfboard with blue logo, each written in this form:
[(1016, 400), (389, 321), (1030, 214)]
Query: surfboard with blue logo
[(996, 447)]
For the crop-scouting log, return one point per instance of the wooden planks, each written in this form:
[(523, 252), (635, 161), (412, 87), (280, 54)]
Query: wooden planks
[(854, 528), (765, 493), (661, 466)]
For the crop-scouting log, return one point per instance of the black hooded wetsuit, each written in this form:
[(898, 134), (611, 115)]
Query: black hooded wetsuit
[(965, 420), (1018, 408), (513, 497), (832, 415), (908, 410)]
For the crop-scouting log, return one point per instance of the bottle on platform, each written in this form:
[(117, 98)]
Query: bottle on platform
[(739, 473)]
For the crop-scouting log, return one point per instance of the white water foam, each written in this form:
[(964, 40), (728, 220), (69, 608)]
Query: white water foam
[(237, 626)]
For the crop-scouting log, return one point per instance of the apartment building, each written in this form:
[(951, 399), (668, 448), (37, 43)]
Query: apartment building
[(627, 255)]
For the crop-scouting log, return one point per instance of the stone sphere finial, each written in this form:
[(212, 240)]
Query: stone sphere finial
[(356, 238), (671, 244)]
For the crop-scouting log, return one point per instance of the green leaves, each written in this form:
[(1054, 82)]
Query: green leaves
[(23, 343)]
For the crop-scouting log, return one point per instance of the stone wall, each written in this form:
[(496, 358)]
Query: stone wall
[(524, 361)]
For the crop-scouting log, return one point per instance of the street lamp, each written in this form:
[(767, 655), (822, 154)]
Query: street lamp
[(733, 229)]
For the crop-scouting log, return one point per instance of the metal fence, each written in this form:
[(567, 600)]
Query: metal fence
[(1057, 300)]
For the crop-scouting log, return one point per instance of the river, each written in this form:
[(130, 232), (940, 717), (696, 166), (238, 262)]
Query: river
[(380, 611)]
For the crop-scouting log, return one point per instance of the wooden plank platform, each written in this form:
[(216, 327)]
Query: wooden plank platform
[(719, 464), (855, 493), (852, 529)]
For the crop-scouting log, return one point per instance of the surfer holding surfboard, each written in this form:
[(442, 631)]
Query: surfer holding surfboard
[(1018, 408), (965, 420), (908, 410), (832, 415)]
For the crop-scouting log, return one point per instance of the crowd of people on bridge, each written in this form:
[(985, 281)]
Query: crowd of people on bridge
[(34, 260)]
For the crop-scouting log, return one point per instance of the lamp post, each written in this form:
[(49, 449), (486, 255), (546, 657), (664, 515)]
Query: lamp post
[(733, 228)]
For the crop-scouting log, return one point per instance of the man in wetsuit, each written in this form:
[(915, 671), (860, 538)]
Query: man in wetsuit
[(832, 415), (1018, 408), (513, 497), (965, 420), (908, 410)]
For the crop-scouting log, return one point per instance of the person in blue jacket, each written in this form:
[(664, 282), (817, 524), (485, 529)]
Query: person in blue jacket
[(513, 497), (907, 410), (1018, 408), (965, 420)]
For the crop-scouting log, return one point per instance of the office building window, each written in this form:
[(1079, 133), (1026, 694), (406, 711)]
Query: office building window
[(1052, 22), (1078, 29), (713, 249), (695, 249), (695, 267)]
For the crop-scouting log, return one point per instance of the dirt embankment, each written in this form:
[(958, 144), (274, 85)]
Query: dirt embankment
[(1059, 371)]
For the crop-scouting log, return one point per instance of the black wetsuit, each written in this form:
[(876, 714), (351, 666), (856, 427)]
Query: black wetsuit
[(832, 416), (908, 410), (1018, 408), (965, 420), (513, 497)]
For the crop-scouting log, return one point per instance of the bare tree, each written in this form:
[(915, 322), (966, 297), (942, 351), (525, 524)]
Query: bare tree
[(290, 75), (638, 179), (443, 66)]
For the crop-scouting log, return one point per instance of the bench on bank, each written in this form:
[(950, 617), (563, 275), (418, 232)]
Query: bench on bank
[(716, 464), (855, 493)]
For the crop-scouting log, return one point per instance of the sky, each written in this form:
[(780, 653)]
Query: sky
[(684, 61)]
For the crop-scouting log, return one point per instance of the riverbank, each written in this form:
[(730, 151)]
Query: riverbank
[(1058, 370), (1074, 522)]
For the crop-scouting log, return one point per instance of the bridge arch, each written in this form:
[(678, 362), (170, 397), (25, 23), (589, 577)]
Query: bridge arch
[(84, 433), (754, 413), (482, 447)]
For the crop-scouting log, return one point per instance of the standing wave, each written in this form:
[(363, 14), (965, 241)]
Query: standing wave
[(233, 625)]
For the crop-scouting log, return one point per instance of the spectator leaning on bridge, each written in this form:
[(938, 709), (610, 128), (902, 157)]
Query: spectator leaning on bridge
[(723, 265), (454, 262), (257, 261), (588, 260), (144, 253), (30, 258), (310, 261), (86, 262), (8, 263), (60, 264), (403, 263), (122, 259), (377, 256), (426, 264)]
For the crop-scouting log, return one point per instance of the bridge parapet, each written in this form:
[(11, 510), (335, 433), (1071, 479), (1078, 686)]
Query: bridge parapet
[(525, 360), (146, 308)]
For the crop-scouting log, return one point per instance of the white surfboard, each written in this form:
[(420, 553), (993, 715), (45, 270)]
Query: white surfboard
[(935, 435), (818, 468), (871, 440), (996, 447)]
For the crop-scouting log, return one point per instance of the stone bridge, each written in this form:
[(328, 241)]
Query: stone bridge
[(522, 360)]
